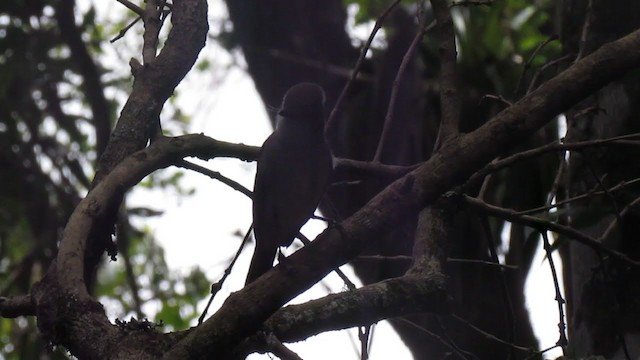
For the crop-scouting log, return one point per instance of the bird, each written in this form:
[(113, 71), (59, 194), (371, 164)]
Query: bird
[(294, 167)]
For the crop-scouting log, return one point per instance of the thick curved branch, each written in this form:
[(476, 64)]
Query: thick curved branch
[(94, 206), (154, 82), (412, 293), (244, 311), (62, 295)]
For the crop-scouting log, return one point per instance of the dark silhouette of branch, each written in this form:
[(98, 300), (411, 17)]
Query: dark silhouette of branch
[(279, 350), (92, 85), (449, 97), (543, 225), (554, 146), (356, 69), (482, 262), (215, 288), (591, 193), (527, 64), (133, 7), (370, 169), (360, 307), (464, 355), (388, 120), (618, 219), (124, 30), (562, 326), (14, 306), (536, 75), (493, 337), (216, 176), (506, 297)]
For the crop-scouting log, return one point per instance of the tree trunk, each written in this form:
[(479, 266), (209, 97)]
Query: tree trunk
[(602, 294)]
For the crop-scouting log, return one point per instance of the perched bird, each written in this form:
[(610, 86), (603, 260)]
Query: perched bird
[(294, 166)]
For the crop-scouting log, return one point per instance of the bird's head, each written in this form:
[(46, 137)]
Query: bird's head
[(303, 100)]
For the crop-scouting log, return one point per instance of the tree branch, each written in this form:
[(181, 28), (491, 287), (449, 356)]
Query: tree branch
[(388, 119), (14, 306), (411, 293), (543, 225), (329, 128), (244, 311), (449, 97)]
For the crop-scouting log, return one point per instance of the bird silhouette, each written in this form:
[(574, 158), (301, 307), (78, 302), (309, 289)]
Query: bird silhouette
[(294, 167)]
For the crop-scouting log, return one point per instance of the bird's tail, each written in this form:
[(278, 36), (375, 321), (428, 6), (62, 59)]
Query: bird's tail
[(261, 262)]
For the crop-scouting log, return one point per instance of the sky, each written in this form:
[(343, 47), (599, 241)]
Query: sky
[(201, 230)]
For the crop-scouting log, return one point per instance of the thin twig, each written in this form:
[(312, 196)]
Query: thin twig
[(356, 69), (452, 346), (491, 336), (591, 193), (536, 75), (482, 262), (215, 175), (554, 146), (449, 96), (562, 326), (608, 194), (133, 7), (388, 119), (125, 29), (215, 288), (556, 180), (527, 64), (497, 98), (316, 64), (369, 168), (237, 186), (618, 219), (542, 225), (586, 27), (445, 334), (506, 298), (537, 354)]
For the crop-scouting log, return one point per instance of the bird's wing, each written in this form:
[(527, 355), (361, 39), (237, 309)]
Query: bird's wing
[(291, 200)]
